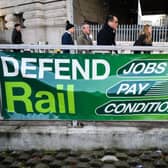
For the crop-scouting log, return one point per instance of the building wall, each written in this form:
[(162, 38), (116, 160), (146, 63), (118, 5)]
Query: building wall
[(90, 10), (44, 19)]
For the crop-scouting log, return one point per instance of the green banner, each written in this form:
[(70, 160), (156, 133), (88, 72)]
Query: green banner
[(94, 87)]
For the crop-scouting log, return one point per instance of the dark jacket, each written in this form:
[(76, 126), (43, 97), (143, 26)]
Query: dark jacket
[(141, 42), (106, 36), (16, 37), (67, 40)]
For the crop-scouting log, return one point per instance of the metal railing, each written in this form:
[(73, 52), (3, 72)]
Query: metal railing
[(128, 32), (76, 48)]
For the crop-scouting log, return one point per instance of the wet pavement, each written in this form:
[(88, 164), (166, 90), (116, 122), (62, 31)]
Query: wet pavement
[(98, 158)]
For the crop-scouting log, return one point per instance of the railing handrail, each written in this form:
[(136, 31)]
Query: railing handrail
[(84, 47)]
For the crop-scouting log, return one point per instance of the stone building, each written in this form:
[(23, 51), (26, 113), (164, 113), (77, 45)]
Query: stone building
[(44, 20)]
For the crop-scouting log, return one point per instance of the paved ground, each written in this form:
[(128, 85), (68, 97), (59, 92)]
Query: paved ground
[(99, 158)]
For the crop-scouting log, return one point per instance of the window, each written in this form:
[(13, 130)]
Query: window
[(20, 19), (2, 23)]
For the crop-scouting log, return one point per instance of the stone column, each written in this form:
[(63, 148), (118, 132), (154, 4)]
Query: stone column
[(56, 16), (70, 10)]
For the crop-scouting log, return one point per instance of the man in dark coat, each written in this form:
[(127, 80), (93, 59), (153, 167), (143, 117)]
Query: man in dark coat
[(107, 34), (17, 35), (67, 36)]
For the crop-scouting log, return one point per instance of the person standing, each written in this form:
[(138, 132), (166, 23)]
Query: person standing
[(84, 38), (67, 36), (17, 36), (144, 39), (107, 34)]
